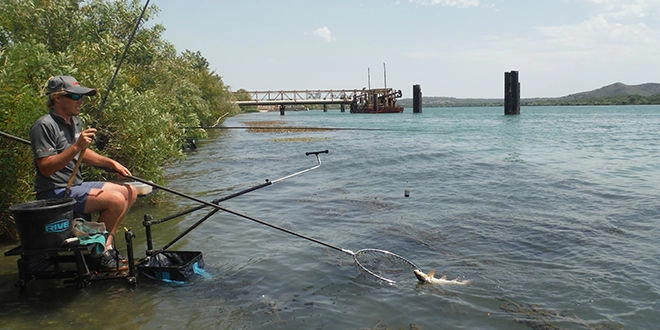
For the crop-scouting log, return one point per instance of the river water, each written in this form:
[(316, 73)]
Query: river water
[(552, 214)]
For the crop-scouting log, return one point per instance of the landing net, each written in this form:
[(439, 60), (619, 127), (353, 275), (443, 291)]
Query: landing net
[(384, 265)]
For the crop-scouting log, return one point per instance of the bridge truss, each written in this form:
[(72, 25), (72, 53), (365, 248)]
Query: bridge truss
[(292, 97)]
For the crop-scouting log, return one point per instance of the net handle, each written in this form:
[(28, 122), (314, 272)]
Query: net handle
[(218, 207)]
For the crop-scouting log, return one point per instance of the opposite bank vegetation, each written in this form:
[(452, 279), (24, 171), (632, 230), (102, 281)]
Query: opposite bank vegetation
[(156, 92), (614, 94)]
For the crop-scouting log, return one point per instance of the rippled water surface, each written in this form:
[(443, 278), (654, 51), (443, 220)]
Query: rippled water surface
[(553, 215)]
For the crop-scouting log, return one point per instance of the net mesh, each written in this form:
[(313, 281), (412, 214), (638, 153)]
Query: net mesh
[(385, 265)]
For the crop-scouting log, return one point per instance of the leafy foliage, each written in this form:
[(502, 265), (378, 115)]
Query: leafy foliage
[(156, 93)]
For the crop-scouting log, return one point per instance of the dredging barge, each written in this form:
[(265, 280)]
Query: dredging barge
[(379, 100)]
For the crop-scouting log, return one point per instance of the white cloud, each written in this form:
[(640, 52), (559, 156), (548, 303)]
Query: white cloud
[(448, 3), (614, 29), (324, 33), (599, 30), (622, 9)]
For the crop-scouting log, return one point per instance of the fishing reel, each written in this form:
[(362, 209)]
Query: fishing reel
[(101, 139)]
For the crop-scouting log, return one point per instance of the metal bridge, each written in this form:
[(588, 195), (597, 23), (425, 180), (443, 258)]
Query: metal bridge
[(293, 97), (379, 100)]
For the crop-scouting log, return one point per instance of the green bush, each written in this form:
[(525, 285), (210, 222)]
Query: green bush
[(156, 93)]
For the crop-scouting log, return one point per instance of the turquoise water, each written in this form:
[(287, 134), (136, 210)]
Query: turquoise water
[(553, 215)]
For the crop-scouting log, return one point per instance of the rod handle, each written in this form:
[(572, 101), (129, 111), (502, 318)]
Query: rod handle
[(67, 191)]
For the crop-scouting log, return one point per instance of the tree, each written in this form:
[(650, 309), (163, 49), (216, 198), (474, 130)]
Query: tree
[(155, 94)]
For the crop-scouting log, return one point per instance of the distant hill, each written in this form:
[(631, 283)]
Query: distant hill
[(614, 94), (618, 89)]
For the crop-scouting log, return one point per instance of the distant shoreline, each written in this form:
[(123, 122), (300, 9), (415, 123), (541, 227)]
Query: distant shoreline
[(450, 102), (614, 94)]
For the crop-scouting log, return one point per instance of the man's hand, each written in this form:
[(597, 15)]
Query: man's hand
[(86, 138), (121, 169)]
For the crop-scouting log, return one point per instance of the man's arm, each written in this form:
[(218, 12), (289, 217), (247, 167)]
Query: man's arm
[(93, 158), (53, 163)]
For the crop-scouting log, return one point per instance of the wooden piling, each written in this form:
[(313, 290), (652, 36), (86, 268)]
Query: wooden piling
[(511, 93), (282, 107), (417, 99), (342, 107), (325, 107)]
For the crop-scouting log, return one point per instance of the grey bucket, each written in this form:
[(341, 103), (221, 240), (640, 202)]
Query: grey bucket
[(44, 223)]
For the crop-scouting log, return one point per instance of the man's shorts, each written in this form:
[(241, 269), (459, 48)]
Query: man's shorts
[(79, 193)]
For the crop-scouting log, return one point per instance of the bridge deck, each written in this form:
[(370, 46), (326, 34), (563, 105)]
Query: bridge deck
[(294, 102)]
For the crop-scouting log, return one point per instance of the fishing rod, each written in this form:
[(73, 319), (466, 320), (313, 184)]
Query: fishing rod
[(15, 138), (217, 201), (245, 191), (366, 259), (67, 191)]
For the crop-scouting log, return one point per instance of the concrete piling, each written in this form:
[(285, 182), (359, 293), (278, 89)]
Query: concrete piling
[(511, 93), (417, 99)]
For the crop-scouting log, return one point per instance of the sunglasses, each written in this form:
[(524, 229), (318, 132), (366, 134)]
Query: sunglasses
[(72, 96)]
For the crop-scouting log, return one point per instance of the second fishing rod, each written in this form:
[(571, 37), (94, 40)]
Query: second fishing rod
[(149, 222)]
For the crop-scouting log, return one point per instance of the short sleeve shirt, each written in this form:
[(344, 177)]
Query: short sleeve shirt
[(50, 135)]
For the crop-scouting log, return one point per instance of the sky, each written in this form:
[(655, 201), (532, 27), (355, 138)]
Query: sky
[(452, 48)]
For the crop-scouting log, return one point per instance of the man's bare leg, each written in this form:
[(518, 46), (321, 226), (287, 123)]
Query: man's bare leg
[(113, 202)]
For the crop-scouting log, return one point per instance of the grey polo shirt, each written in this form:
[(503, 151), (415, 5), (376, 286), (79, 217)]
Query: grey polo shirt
[(50, 135)]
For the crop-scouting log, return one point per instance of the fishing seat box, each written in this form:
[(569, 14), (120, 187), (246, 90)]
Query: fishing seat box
[(44, 223)]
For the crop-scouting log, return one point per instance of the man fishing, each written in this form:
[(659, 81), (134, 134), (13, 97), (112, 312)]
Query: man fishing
[(58, 140)]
